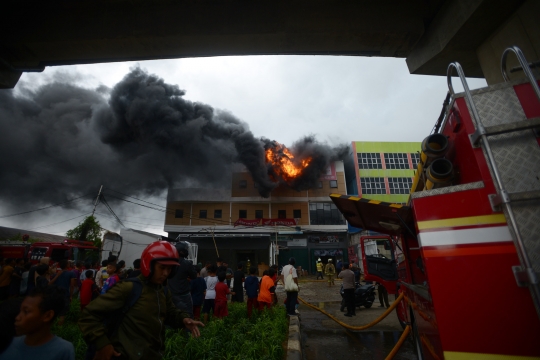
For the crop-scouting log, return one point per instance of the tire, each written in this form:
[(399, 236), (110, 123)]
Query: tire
[(342, 309), (368, 305), (416, 338)]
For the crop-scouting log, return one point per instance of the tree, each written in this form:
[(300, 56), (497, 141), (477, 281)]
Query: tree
[(88, 230)]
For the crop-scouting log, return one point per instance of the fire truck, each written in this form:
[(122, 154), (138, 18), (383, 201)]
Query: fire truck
[(75, 250), (468, 240)]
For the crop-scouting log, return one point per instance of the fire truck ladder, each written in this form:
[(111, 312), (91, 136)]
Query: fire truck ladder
[(509, 144)]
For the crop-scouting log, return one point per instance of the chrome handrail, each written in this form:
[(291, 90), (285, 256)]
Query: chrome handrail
[(524, 65)]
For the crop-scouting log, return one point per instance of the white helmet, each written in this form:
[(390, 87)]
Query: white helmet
[(329, 260), (319, 260)]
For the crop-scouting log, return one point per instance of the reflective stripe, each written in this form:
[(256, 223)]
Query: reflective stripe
[(454, 355), (465, 236), (464, 221)]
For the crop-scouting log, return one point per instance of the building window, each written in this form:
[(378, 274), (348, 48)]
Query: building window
[(202, 214), (243, 184), (242, 214), (297, 214), (178, 213), (258, 214), (415, 159), (282, 214), (333, 184), (396, 160), (325, 214), (319, 185), (217, 214), (369, 161), (400, 185), (372, 185)]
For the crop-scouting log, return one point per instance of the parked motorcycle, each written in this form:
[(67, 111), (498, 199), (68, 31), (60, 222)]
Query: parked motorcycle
[(364, 295)]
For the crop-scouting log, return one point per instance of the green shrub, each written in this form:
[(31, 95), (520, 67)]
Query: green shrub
[(234, 337)]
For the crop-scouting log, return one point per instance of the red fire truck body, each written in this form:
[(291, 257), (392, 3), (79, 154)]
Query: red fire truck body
[(467, 241), (69, 249)]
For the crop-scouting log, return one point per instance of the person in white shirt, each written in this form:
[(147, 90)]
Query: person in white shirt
[(292, 296), (210, 296)]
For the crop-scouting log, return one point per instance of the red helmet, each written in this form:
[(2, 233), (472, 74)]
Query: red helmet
[(159, 251)]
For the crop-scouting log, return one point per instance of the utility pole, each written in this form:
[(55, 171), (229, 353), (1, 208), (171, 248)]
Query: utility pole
[(275, 246), (213, 238), (97, 200)]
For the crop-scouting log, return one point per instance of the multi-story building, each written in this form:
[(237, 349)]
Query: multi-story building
[(240, 225), (382, 171)]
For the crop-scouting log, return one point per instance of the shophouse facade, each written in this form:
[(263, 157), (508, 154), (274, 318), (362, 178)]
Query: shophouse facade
[(241, 226)]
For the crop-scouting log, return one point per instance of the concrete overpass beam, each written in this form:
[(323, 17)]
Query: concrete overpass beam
[(455, 34)]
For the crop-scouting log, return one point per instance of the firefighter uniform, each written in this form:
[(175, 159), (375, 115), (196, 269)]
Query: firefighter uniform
[(330, 272), (319, 269)]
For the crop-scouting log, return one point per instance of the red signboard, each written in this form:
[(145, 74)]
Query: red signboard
[(279, 222), (267, 222), (246, 222), (330, 173)]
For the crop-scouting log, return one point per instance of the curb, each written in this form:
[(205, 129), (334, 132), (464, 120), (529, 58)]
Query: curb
[(294, 348)]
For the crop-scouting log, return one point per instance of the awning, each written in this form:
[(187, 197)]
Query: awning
[(375, 215)]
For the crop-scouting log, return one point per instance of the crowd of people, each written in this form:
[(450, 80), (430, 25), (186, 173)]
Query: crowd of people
[(124, 312)]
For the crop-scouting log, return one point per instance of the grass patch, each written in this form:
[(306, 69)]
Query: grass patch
[(234, 337)]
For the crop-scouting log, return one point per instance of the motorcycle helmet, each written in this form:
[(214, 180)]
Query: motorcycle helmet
[(183, 248), (162, 252)]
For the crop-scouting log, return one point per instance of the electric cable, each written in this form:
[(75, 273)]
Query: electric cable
[(46, 207), (76, 217)]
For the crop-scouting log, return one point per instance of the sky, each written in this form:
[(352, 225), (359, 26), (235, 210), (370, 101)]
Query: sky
[(338, 99)]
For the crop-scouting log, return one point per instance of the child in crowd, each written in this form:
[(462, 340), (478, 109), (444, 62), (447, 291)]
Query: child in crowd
[(89, 289), (24, 281), (266, 291), (112, 279), (198, 290), (101, 274), (210, 296), (34, 322), (222, 290), (251, 285)]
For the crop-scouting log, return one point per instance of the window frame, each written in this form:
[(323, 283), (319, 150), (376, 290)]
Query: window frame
[(240, 213), (177, 212), (297, 212), (333, 182), (220, 213), (201, 212), (242, 184), (282, 214)]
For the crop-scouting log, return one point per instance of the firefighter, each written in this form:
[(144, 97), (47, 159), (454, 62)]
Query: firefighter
[(330, 271), (179, 284), (320, 269), (140, 332)]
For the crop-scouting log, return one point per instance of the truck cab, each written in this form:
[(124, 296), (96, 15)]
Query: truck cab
[(379, 260)]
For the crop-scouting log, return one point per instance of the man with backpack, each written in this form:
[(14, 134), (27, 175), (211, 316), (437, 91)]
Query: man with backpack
[(129, 320)]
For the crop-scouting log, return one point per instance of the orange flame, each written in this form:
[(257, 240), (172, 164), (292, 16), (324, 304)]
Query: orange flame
[(283, 162)]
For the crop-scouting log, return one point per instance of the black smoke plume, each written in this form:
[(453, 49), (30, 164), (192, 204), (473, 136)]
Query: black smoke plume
[(59, 140)]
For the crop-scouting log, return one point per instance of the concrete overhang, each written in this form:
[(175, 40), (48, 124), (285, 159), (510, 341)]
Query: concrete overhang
[(455, 34), (39, 34)]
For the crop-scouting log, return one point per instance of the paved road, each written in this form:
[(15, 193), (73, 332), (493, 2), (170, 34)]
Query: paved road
[(323, 338)]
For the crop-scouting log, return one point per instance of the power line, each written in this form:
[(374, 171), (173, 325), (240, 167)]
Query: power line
[(47, 207), (104, 201), (138, 199), (76, 217)]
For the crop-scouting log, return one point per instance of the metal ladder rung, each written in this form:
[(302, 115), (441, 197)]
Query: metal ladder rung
[(504, 197), (504, 129)]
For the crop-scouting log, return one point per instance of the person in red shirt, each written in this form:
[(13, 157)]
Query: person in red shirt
[(220, 308), (89, 290), (266, 291)]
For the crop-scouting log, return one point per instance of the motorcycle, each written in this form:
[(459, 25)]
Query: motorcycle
[(364, 295)]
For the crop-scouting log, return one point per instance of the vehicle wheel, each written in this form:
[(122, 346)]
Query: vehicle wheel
[(342, 309), (416, 338), (368, 305), (401, 310)]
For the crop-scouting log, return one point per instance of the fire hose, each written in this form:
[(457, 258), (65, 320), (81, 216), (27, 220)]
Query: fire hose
[(367, 326)]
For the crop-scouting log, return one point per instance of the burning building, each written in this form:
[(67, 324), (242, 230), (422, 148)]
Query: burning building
[(296, 219)]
